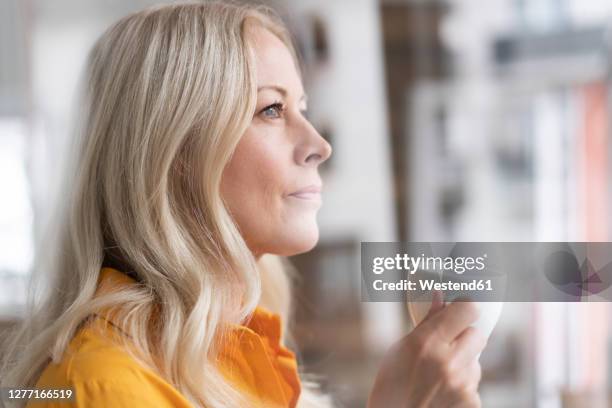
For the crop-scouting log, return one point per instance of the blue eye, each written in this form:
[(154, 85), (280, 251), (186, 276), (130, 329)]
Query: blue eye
[(273, 111)]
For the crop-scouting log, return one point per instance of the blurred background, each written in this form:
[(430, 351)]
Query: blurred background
[(456, 120)]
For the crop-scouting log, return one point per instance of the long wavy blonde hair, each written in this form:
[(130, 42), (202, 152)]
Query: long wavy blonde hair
[(168, 93)]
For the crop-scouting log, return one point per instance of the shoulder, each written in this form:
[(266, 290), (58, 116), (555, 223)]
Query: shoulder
[(102, 373)]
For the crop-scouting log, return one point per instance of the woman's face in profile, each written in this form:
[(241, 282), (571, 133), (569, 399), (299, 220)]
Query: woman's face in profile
[(272, 185)]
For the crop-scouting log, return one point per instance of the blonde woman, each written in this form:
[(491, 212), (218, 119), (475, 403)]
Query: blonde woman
[(196, 173)]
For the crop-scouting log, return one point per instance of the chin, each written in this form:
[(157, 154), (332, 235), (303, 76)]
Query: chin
[(297, 241)]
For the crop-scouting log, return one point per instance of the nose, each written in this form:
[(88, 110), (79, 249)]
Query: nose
[(313, 149)]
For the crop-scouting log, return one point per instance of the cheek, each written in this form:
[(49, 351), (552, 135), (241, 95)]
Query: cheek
[(253, 185)]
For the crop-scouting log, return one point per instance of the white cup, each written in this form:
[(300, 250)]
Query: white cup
[(489, 312)]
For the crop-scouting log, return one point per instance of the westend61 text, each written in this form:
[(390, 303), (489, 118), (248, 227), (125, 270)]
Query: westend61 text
[(431, 284)]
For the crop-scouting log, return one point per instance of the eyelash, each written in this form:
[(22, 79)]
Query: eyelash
[(278, 106)]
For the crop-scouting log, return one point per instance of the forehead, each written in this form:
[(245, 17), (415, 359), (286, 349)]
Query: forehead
[(274, 63)]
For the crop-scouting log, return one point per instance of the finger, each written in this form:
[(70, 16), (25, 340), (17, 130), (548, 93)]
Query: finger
[(453, 319), (465, 398), (470, 401), (468, 345), (437, 304), (462, 387), (474, 375)]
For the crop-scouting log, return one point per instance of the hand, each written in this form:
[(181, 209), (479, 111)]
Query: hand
[(436, 365)]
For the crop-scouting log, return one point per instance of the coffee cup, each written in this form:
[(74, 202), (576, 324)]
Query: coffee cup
[(488, 300)]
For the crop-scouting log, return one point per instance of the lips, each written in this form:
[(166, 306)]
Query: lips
[(311, 192)]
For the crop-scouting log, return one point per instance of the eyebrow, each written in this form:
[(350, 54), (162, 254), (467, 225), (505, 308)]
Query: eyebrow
[(281, 91)]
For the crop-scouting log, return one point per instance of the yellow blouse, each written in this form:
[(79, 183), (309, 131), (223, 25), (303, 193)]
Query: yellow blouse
[(102, 374)]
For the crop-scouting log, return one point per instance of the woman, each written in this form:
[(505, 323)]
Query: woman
[(197, 171)]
